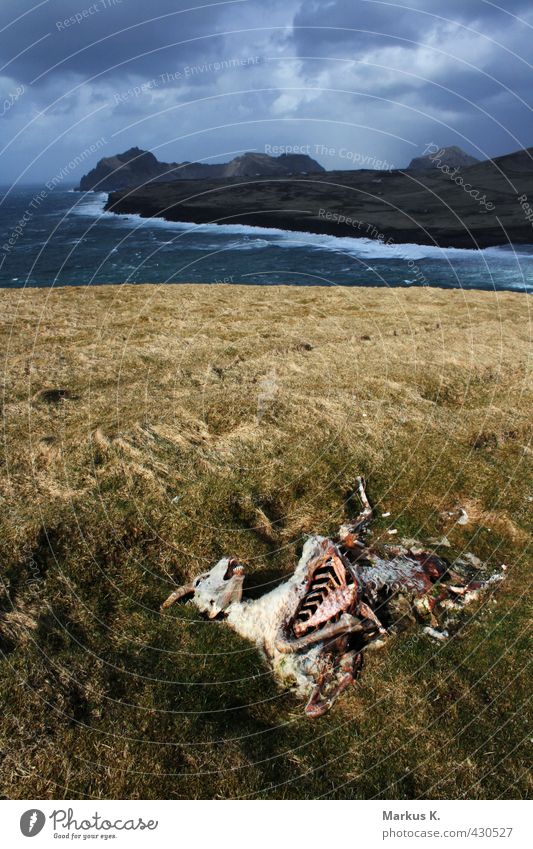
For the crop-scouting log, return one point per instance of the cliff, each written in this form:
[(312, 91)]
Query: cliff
[(485, 204)]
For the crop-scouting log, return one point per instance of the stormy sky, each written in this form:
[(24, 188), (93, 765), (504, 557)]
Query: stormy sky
[(352, 82)]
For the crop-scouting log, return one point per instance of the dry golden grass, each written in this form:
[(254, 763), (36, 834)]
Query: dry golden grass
[(148, 430)]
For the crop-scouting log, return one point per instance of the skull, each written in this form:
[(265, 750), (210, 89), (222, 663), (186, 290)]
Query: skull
[(215, 590)]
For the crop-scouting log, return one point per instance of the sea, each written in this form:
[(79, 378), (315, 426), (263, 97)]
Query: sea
[(65, 238)]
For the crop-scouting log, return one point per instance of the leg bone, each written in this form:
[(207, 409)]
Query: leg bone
[(368, 613), (346, 625)]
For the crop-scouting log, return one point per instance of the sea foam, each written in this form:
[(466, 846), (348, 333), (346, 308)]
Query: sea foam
[(259, 238)]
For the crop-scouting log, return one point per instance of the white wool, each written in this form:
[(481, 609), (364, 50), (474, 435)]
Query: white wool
[(436, 634), (259, 621), (391, 573)]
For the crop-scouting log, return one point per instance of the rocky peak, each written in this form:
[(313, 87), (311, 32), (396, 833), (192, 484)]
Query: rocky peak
[(452, 156)]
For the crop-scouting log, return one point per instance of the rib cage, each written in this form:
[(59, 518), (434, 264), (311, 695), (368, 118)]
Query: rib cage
[(331, 592), (315, 626)]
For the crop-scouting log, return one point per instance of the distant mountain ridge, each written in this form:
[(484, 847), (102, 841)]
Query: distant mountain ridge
[(136, 167)]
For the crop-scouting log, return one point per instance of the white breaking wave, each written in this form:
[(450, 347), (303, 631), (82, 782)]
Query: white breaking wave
[(257, 238), (91, 206)]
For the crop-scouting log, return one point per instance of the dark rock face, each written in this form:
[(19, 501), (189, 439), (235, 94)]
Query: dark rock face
[(451, 156), (262, 165), (133, 167), (138, 167), (487, 205)]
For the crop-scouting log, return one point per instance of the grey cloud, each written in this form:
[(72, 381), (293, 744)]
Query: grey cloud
[(100, 64), (109, 37), (360, 25), (455, 85)]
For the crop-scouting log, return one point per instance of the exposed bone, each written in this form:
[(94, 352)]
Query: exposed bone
[(443, 542), (473, 560), (457, 590), (375, 645), (315, 626), (346, 625), (342, 597), (368, 613), (348, 531), (331, 683), (331, 589), (350, 539), (367, 513), (413, 545)]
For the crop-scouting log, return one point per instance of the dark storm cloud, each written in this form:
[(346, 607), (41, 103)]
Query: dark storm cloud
[(357, 28), (466, 57), (88, 37), (376, 77)]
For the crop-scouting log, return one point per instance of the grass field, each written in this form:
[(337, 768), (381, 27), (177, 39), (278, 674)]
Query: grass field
[(148, 430)]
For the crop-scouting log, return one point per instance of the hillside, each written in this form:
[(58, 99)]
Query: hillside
[(137, 167), (425, 208), (134, 456)]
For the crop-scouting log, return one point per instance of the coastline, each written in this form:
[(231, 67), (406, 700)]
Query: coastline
[(394, 207), (90, 245), (304, 221)]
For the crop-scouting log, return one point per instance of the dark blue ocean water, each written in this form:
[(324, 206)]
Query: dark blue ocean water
[(62, 237)]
